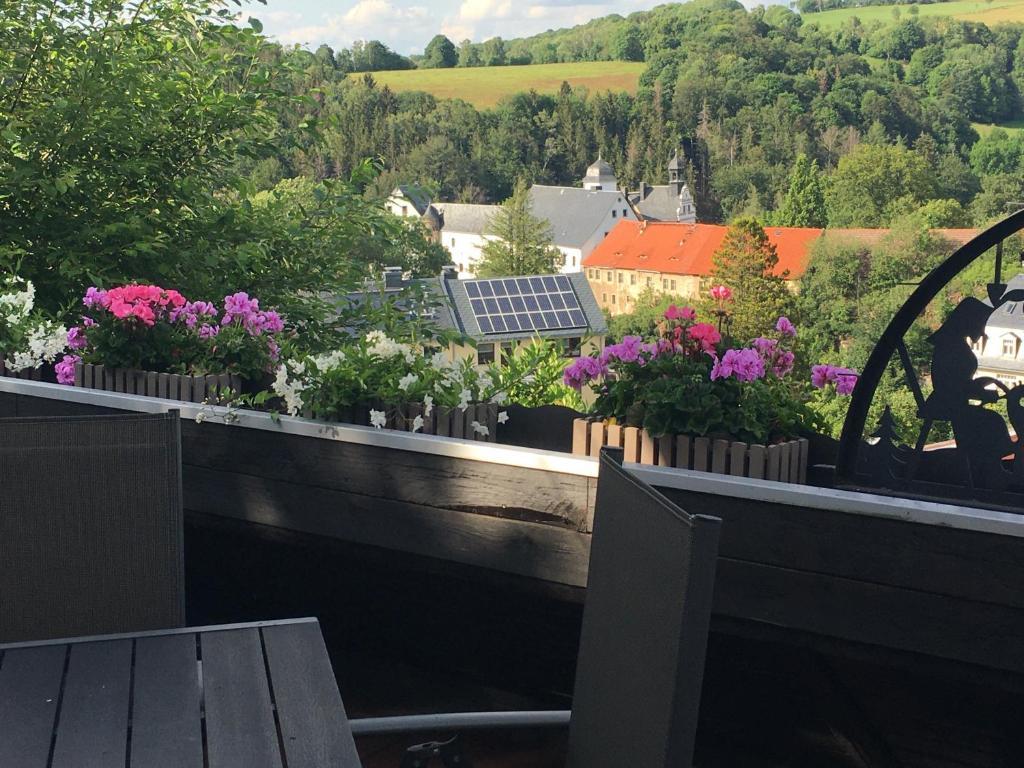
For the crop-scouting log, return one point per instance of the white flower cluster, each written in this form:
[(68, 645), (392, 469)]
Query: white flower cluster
[(27, 341), (381, 345), (290, 390)]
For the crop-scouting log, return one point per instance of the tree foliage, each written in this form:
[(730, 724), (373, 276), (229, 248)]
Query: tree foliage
[(522, 244), (804, 205), (440, 53)]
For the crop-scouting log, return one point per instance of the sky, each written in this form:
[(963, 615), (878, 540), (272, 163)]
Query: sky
[(407, 25)]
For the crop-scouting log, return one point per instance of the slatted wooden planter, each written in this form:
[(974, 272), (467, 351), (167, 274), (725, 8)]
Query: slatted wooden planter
[(31, 374), (446, 422), (171, 386), (784, 462)]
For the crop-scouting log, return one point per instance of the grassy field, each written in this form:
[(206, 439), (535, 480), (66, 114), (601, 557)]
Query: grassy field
[(995, 12), (1016, 126), (486, 86)]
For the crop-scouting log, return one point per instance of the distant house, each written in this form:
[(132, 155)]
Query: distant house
[(666, 202), (1001, 350), (581, 217), (676, 259), (407, 201), (500, 314), (463, 230)]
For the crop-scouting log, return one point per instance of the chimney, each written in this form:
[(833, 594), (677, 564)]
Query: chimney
[(645, 190), (392, 277), (449, 272)]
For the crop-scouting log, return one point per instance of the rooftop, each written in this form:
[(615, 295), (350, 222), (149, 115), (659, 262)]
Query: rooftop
[(465, 217), (574, 213), (688, 249)]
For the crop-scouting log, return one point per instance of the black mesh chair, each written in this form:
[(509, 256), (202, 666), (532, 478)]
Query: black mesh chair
[(91, 532), (645, 627)]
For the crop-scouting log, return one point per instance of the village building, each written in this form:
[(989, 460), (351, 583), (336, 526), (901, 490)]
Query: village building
[(1001, 350), (501, 314), (666, 202), (580, 218), (676, 259)]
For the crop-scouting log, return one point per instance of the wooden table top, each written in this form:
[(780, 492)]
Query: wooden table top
[(259, 695)]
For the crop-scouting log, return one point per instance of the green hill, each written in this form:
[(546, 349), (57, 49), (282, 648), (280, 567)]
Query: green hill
[(486, 86), (990, 13)]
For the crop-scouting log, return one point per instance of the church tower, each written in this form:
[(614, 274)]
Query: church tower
[(600, 176)]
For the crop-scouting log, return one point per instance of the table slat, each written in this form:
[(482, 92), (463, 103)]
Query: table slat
[(92, 731), (314, 727), (166, 720), (29, 688), (240, 730)]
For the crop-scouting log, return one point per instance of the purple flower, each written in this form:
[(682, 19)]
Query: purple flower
[(783, 364), (845, 382), (207, 331), (88, 322), (844, 378), (272, 322), (743, 364), (94, 297), (627, 351), (65, 369), (76, 338), (785, 327), (582, 371), (193, 312)]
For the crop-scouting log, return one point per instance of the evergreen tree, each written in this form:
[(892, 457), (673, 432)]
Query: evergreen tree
[(440, 53), (804, 205), (746, 263), (523, 242)]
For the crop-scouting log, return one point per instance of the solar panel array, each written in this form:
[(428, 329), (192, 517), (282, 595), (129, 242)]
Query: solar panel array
[(525, 304)]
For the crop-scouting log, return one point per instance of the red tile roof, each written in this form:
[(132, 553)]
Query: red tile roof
[(687, 249)]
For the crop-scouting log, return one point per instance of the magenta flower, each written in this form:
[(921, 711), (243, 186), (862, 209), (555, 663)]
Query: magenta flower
[(207, 331), (785, 326), (76, 338), (65, 369), (680, 313), (845, 383), (844, 378), (94, 297), (743, 364), (706, 335), (626, 351), (584, 370), (721, 293)]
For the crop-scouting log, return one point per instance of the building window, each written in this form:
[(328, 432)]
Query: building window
[(614, 213), (624, 214), (608, 276), (664, 283), (604, 298), (484, 354), (614, 297), (508, 350), (572, 347), (1010, 346), (632, 279), (405, 210), (453, 242), (672, 284), (650, 280), (621, 277)]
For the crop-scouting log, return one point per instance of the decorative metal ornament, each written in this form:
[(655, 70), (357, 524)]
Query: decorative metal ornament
[(985, 463)]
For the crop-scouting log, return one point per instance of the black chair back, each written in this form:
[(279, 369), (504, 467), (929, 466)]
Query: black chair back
[(91, 531), (645, 627)]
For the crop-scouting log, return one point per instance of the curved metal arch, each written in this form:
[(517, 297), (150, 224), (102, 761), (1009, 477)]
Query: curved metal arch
[(888, 344)]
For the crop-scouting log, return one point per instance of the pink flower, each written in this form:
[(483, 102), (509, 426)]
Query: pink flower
[(785, 327), (844, 378), (783, 364), (743, 364), (65, 369), (706, 335), (845, 383), (120, 309), (680, 313), (207, 331), (94, 297), (145, 313), (582, 371), (627, 351), (76, 338), (721, 293)]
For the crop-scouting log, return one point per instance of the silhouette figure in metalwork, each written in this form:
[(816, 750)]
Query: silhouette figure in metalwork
[(958, 397)]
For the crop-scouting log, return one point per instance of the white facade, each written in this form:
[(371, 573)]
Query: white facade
[(466, 249), (1001, 354)]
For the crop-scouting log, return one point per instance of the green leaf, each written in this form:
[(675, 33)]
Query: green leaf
[(256, 24)]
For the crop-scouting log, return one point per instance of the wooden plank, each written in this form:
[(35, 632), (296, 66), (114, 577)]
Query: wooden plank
[(580, 435), (758, 457), (631, 444), (201, 391), (794, 462), (152, 383), (468, 417), (784, 452), (30, 680), (646, 447), (458, 423), (99, 379), (129, 382), (774, 462), (720, 456), (79, 374), (613, 435), (555, 553), (738, 459), (164, 385), (314, 726), (805, 449), (93, 727), (185, 389), (683, 452), (443, 420), (240, 728), (491, 415), (701, 446), (166, 723), (665, 443), (596, 441)]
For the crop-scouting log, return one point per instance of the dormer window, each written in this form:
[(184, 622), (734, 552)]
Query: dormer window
[(1010, 345)]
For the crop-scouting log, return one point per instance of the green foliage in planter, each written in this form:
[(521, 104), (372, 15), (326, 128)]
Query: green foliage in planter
[(532, 376)]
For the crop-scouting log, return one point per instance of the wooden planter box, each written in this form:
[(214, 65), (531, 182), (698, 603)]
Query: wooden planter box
[(446, 422), (31, 374), (170, 386), (784, 462)]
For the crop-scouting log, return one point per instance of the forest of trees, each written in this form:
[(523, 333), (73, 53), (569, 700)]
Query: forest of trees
[(882, 114)]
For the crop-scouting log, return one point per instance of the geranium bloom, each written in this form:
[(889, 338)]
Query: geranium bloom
[(785, 326), (94, 297), (583, 370), (626, 351), (706, 335), (76, 338), (679, 313), (65, 369), (721, 293), (743, 364), (844, 378)]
